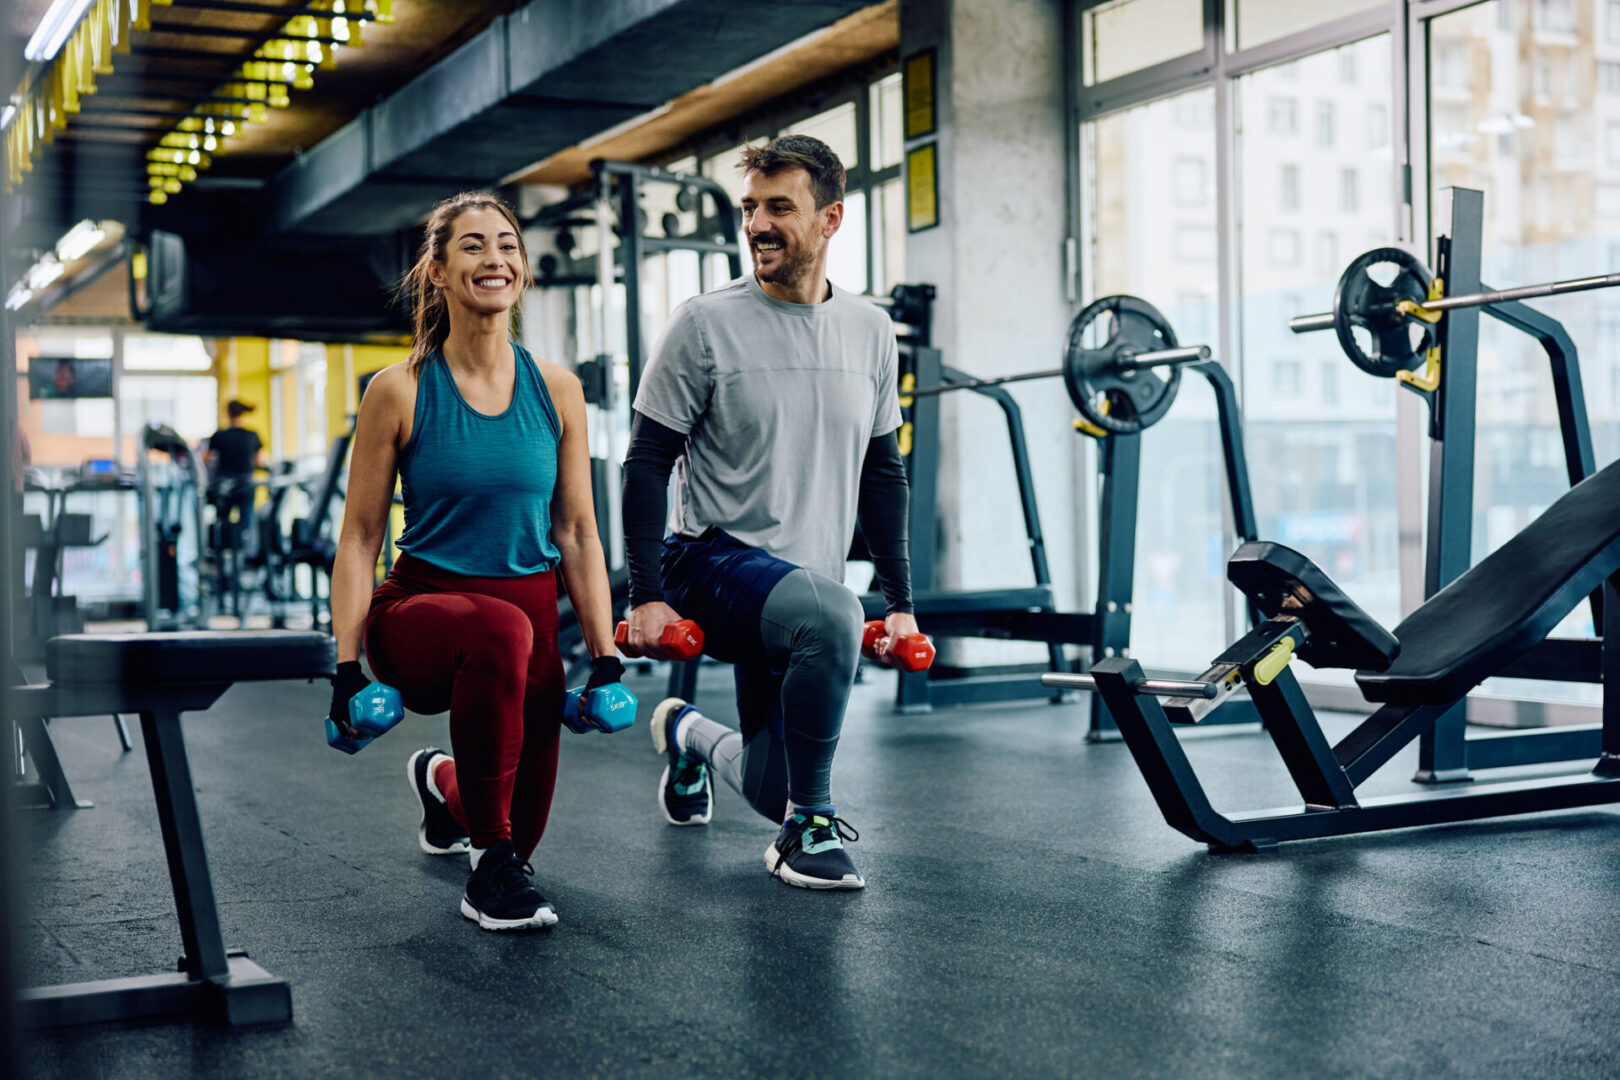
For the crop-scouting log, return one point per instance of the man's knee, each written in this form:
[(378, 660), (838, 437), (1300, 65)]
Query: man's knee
[(825, 617), (838, 621)]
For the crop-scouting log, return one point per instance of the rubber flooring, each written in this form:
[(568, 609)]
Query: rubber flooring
[(1028, 914)]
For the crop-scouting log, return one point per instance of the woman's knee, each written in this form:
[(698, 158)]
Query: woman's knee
[(497, 635)]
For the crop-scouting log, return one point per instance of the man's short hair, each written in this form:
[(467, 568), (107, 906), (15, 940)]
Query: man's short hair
[(800, 152)]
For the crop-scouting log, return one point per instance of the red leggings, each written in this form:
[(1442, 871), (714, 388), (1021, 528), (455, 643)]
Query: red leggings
[(486, 649)]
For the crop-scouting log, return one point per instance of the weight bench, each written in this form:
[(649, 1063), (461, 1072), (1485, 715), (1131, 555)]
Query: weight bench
[(1497, 614), (161, 676)]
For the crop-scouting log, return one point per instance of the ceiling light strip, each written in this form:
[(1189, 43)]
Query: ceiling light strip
[(285, 62), (45, 102)]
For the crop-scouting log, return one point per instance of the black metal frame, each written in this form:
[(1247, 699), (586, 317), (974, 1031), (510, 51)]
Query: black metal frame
[(1446, 753), (1030, 614), (211, 981), (1327, 775)]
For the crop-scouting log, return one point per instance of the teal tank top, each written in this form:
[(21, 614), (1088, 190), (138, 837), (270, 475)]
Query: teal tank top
[(477, 488)]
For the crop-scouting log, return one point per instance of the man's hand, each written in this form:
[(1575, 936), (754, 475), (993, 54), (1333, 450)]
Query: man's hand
[(647, 622), (901, 622)]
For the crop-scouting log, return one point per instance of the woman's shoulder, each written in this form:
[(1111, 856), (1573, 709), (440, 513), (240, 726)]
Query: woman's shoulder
[(391, 395), (560, 382), (392, 384)]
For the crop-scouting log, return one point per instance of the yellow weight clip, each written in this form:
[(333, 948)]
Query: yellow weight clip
[(1086, 427), (1271, 665), (1429, 381)]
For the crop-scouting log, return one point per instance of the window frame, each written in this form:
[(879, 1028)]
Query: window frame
[(851, 87)]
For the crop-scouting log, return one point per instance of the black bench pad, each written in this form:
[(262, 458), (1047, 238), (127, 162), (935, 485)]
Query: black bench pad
[(189, 656), (1281, 581), (1507, 603)]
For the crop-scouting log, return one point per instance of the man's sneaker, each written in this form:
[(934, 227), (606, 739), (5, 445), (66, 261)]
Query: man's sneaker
[(809, 852), (685, 790), (439, 833), (499, 896)]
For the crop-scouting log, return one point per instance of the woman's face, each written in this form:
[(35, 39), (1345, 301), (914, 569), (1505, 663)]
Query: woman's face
[(483, 266)]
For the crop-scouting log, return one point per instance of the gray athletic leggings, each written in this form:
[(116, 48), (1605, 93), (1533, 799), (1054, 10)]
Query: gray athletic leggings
[(792, 709)]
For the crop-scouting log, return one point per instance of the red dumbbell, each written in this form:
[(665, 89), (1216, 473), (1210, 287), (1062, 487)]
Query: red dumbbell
[(912, 652), (681, 639)]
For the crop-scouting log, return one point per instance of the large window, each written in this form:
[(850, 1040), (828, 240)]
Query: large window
[(1549, 165), (1321, 442), (1335, 135), (1147, 234)]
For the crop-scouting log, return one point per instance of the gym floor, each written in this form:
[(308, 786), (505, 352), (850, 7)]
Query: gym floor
[(1028, 914)]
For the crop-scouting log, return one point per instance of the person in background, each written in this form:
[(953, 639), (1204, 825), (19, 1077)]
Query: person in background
[(233, 453)]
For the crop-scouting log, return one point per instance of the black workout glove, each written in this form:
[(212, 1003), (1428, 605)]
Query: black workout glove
[(348, 681), (605, 671)]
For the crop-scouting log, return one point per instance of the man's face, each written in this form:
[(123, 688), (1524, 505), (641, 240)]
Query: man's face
[(787, 235)]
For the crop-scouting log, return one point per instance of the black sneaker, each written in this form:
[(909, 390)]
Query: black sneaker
[(809, 852), (685, 790), (439, 833), (499, 896)]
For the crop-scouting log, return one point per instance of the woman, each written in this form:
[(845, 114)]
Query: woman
[(491, 452)]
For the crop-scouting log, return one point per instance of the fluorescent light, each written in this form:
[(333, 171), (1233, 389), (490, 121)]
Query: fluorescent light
[(60, 20), (47, 270), (20, 295), (79, 240)]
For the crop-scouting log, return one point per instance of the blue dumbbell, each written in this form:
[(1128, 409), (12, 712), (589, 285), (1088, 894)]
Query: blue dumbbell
[(372, 712), (607, 709)]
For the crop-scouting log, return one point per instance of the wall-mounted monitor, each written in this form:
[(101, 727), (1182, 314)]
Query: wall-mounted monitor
[(69, 377)]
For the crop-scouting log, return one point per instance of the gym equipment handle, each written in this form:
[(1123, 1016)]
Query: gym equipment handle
[(1156, 358), (1188, 688), (1305, 324)]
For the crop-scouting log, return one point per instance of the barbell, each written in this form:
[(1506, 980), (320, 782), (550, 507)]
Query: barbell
[(1116, 386), (1198, 689), (1399, 318)]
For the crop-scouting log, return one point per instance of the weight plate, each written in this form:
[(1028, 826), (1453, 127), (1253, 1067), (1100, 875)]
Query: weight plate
[(1391, 341), (1116, 398)]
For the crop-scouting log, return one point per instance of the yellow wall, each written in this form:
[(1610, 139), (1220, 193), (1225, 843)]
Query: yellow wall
[(243, 370), (344, 365)]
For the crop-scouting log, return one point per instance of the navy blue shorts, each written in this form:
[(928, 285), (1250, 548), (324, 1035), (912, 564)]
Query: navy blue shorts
[(722, 583)]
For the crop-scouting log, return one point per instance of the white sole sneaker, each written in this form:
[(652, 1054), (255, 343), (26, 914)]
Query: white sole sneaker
[(540, 920), (802, 881), (708, 789), (659, 713), (460, 847)]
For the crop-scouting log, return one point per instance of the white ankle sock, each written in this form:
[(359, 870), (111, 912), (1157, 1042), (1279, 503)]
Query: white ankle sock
[(682, 726), (433, 767), (474, 854)]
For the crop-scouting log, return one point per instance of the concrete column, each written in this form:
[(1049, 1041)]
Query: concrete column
[(997, 259)]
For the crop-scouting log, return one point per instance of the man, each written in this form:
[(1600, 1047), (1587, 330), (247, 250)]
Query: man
[(233, 453), (775, 396)]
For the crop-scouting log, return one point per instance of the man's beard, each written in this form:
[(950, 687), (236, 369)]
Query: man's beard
[(790, 268)]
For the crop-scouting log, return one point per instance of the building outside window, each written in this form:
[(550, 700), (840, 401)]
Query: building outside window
[(1324, 123), (1288, 188), (1283, 115)]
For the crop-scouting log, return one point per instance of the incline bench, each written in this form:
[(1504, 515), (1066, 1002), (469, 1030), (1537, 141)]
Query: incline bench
[(161, 676), (1494, 618)]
